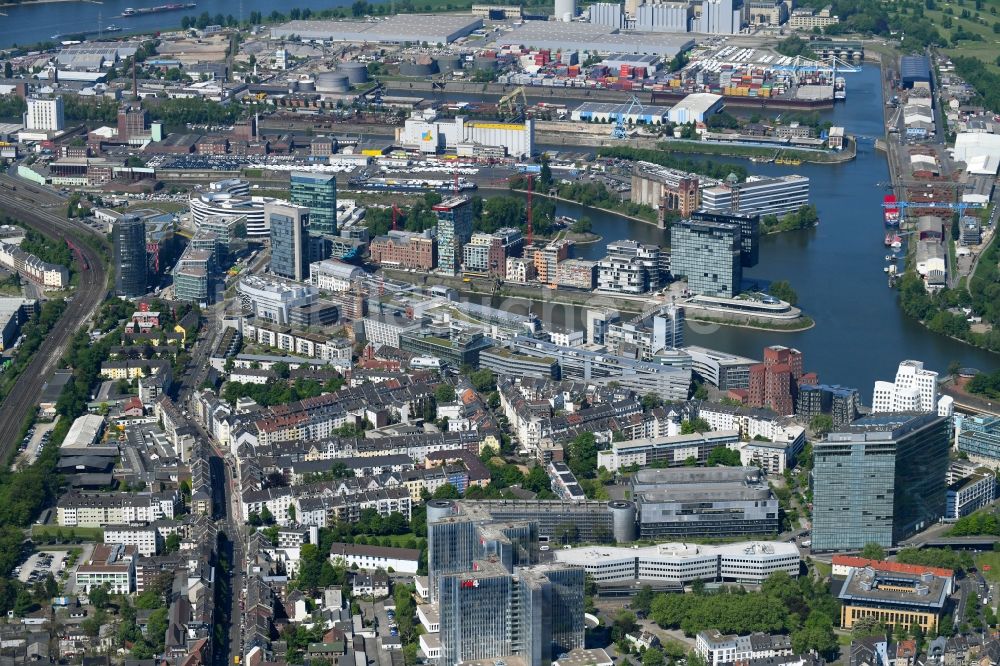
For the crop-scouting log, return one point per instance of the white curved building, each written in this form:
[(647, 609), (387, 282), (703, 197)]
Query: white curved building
[(747, 562), (206, 204)]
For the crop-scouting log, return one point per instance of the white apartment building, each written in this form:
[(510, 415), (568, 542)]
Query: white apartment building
[(399, 560), (520, 270), (45, 114), (145, 539), (915, 390), (716, 648)]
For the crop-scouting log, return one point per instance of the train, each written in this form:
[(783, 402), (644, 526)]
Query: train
[(82, 260)]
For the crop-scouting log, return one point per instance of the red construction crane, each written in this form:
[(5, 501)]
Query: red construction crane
[(454, 186), (395, 214)]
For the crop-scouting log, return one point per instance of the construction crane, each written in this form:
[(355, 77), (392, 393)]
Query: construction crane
[(531, 229), (959, 206), (508, 105), (396, 214), (618, 130)]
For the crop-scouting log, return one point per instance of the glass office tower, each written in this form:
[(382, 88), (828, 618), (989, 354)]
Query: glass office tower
[(879, 480), (454, 230), (318, 193), (129, 235), (708, 254), (289, 240)]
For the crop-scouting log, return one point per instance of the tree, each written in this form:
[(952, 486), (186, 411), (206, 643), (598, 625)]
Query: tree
[(99, 597), (689, 427), (483, 380), (583, 455), (821, 424), (653, 657), (816, 634), (783, 290), (172, 543), (8, 70), (446, 491), (651, 401), (723, 456), (291, 513), (444, 393), (266, 516), (873, 551)]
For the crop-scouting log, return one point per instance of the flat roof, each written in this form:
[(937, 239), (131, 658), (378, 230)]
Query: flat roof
[(433, 28), (588, 37), (867, 586)]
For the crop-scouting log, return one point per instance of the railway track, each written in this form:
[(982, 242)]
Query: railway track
[(29, 205)]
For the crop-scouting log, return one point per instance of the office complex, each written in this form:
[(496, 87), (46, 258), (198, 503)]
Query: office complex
[(749, 224), (703, 501), (670, 451), (289, 240), (970, 493), (318, 193), (879, 480), (682, 563), (915, 390), (841, 403), (721, 370), (979, 438), (893, 599), (758, 196), (494, 600), (454, 231), (45, 114), (647, 334), (535, 613), (129, 236), (708, 255)]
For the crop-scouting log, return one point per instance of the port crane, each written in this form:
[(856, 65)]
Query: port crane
[(508, 104), (618, 131), (803, 64), (959, 206)]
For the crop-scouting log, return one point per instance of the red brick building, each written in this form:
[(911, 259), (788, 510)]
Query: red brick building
[(405, 250), (774, 383)]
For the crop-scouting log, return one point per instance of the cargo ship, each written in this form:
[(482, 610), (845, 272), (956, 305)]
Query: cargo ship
[(890, 210), (173, 7), (839, 88)]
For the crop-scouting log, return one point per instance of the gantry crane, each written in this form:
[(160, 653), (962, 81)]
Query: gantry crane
[(508, 104), (618, 131)]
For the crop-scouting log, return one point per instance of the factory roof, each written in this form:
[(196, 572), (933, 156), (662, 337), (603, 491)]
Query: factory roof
[(622, 109), (915, 68), (698, 103), (588, 37), (432, 28)]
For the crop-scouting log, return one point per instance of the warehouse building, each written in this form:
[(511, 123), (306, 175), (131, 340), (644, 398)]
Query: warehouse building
[(560, 36), (696, 107), (603, 112), (429, 135), (915, 71), (430, 28)]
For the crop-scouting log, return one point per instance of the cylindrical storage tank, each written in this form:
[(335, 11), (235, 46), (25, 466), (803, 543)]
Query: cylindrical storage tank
[(332, 82), (564, 8), (448, 63), (440, 509), (357, 72), (486, 63), (307, 85), (416, 68), (622, 520)]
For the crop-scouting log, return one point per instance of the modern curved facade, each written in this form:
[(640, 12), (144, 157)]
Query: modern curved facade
[(129, 236), (205, 204)]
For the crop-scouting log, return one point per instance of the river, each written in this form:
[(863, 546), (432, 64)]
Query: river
[(860, 334), (34, 22)]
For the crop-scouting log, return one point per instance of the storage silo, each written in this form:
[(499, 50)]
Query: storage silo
[(448, 63), (622, 520), (422, 66), (332, 82), (565, 10), (307, 85), (357, 72)]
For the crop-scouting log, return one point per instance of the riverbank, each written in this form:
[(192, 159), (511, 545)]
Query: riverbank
[(556, 197), (742, 321)]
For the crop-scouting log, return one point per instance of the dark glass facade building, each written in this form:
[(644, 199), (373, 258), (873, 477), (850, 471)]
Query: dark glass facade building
[(318, 193), (289, 240), (708, 254), (879, 480), (129, 237)]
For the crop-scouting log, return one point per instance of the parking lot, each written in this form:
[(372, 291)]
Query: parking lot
[(41, 563)]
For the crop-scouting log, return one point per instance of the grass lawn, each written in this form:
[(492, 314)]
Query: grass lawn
[(986, 50), (991, 560), (399, 540), (823, 568), (85, 533)]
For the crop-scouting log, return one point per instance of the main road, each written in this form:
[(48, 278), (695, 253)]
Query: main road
[(43, 211)]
